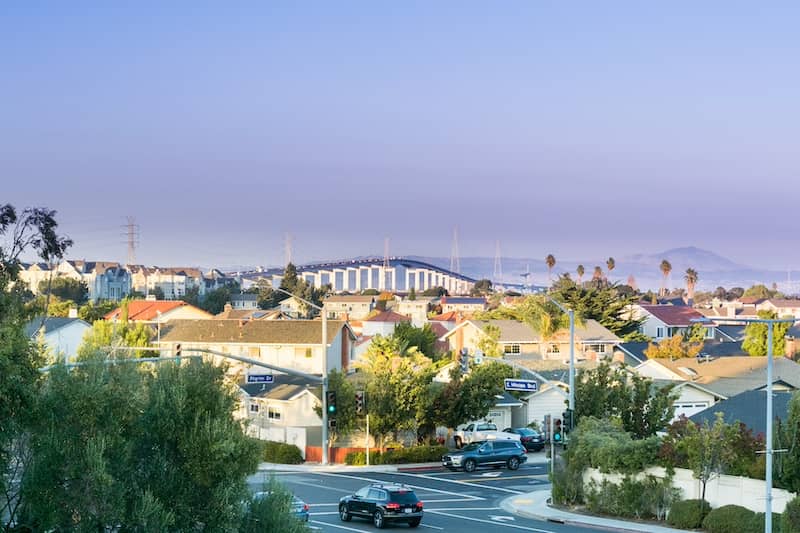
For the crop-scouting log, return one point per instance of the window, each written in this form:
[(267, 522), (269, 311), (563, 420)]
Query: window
[(598, 348), (274, 413), (253, 407), (362, 493), (511, 348), (709, 333), (554, 348), (659, 332), (309, 353)]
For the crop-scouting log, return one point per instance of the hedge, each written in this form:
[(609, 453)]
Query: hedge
[(415, 454), (281, 453), (688, 514), (730, 519), (790, 519)]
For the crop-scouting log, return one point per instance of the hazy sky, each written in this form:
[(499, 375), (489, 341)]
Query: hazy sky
[(582, 129)]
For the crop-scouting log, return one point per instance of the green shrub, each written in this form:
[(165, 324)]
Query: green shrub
[(730, 519), (281, 453), (757, 524), (790, 519), (688, 514), (414, 454), (649, 497)]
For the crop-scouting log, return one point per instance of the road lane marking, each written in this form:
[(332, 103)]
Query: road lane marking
[(480, 480), (432, 527), (337, 526), (460, 482), (439, 491), (490, 522)]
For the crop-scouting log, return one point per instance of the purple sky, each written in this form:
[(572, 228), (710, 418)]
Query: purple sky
[(582, 129)]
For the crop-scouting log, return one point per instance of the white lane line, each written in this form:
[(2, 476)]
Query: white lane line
[(373, 480), (490, 522), (465, 483), (328, 524), (318, 486), (432, 527)]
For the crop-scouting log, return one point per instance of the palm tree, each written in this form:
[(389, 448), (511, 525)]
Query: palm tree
[(666, 268), (610, 263), (550, 260), (598, 274), (581, 271), (691, 281)]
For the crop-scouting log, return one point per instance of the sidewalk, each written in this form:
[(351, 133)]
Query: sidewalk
[(534, 505)]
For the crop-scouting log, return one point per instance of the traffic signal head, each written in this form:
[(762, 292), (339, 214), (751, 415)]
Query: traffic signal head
[(330, 402), (464, 360), (569, 420), (557, 429), (361, 402)]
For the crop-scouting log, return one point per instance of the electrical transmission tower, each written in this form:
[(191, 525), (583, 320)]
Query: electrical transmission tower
[(455, 262), (497, 275), (132, 234), (386, 252), (287, 249)]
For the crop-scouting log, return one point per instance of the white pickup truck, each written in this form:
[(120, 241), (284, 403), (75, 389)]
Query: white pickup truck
[(479, 431)]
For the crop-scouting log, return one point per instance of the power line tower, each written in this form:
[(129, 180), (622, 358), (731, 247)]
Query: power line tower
[(132, 233), (455, 262), (497, 275), (386, 252), (287, 250), (527, 277)]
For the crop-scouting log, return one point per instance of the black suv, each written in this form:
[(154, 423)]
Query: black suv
[(531, 439), (382, 502), (490, 452)]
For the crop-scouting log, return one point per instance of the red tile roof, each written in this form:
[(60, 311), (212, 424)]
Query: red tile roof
[(146, 309), (451, 316), (674, 315), (388, 316)]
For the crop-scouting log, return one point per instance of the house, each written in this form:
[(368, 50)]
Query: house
[(416, 310), (550, 399), (158, 311), (382, 323), (592, 340), (344, 306), (294, 307), (691, 397), (782, 307), (502, 413), (61, 336), (244, 301), (463, 304), (634, 353), (448, 320), (295, 344), (175, 282), (664, 321), (251, 314), (749, 408)]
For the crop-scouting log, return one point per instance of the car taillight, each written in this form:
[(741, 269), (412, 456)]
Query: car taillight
[(305, 507), (420, 505), (393, 506)]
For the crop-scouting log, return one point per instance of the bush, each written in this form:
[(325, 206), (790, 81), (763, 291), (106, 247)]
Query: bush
[(281, 453), (688, 514), (633, 498), (790, 519), (757, 525), (730, 519), (415, 454)]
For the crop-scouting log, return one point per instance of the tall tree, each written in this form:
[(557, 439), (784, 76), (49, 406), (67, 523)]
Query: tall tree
[(598, 274), (708, 449), (691, 282), (610, 264), (66, 289), (755, 336), (580, 271), (665, 268), (550, 261)]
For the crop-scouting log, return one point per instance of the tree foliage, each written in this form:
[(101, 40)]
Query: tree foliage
[(346, 417), (121, 333), (96, 311), (755, 336), (66, 289), (424, 339), (536, 311), (760, 290), (675, 347), (612, 392), (482, 287)]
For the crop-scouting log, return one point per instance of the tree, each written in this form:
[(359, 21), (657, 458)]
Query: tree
[(32, 229), (735, 293), (755, 336), (607, 391), (107, 334), (435, 292), (412, 294), (488, 342), (346, 416), (482, 287), (787, 436), (676, 347), (550, 261), (761, 291), (539, 313), (691, 282), (610, 264), (597, 276), (272, 512), (66, 289), (214, 301), (708, 449), (423, 339), (580, 271), (192, 296), (96, 311), (665, 268)]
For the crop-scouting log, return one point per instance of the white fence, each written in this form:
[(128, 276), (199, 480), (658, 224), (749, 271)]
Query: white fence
[(722, 490), (287, 434)]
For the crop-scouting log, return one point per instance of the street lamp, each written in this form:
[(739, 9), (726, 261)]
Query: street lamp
[(571, 314), (770, 322), (324, 371)]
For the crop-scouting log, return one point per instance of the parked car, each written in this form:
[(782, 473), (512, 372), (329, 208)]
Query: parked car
[(382, 503), (496, 453), (299, 507), (480, 431), (530, 438)]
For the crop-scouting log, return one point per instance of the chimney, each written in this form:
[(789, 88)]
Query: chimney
[(227, 307), (73, 312), (731, 311), (791, 347)]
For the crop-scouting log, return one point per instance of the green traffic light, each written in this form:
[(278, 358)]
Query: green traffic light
[(331, 408)]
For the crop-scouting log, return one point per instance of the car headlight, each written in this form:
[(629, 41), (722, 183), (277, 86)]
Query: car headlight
[(456, 459)]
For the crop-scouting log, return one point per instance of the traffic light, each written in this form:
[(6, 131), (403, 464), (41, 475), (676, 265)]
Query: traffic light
[(557, 431), (361, 402), (464, 360), (569, 420), (330, 402)]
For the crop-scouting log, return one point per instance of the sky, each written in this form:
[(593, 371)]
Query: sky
[(582, 129)]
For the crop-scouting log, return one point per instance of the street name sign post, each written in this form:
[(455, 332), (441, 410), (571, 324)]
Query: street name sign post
[(527, 385), (260, 378)]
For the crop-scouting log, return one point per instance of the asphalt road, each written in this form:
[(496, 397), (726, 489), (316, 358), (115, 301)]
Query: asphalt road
[(454, 501)]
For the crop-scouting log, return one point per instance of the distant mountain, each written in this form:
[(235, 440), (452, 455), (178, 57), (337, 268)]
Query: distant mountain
[(690, 256)]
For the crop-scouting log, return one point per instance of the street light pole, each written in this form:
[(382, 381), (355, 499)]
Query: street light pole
[(324, 344), (571, 315)]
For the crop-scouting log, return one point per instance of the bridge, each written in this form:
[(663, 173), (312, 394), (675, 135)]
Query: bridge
[(355, 275)]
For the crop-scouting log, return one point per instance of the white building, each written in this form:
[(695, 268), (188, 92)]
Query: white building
[(61, 336)]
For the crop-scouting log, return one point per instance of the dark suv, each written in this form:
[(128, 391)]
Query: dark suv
[(531, 439), (491, 452), (381, 503)]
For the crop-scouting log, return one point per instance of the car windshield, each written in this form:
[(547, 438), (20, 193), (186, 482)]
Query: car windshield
[(526, 432), (473, 446), (403, 497)]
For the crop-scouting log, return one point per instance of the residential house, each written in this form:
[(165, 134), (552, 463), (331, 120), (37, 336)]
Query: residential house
[(294, 307), (664, 321), (346, 306), (382, 323), (691, 397), (244, 301), (294, 344), (105, 280), (251, 314), (33, 274), (175, 282), (159, 311), (416, 310), (634, 353), (592, 340), (448, 320), (749, 408), (782, 307), (61, 336), (463, 304)]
